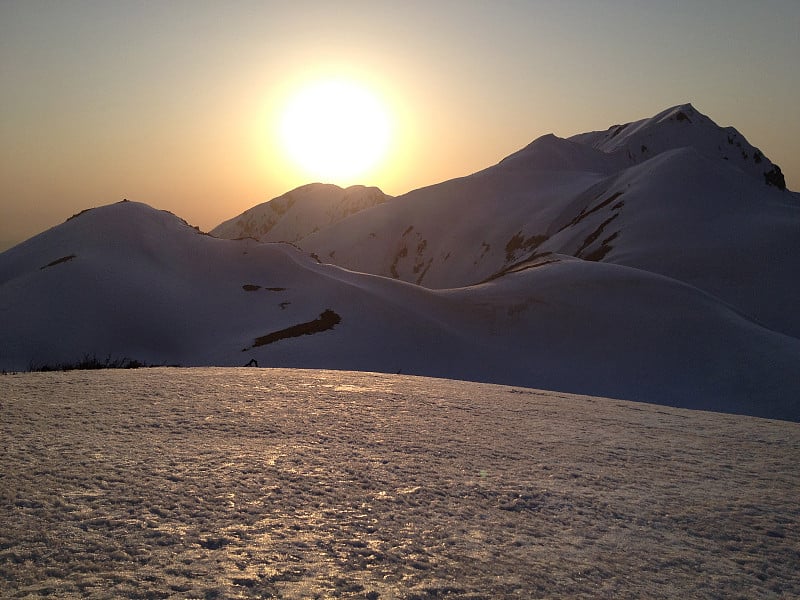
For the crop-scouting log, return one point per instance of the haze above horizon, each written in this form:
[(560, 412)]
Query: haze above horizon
[(179, 104)]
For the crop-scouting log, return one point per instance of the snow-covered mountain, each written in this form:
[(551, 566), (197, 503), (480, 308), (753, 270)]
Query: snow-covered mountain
[(126, 280), (572, 265), (674, 195), (683, 127), (298, 213)]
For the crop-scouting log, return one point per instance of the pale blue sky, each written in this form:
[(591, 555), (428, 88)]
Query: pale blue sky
[(170, 103)]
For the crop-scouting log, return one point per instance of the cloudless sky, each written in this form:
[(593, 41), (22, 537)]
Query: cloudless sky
[(174, 103)]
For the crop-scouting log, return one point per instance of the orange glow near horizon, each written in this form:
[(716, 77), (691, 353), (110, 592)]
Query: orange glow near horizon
[(184, 109)]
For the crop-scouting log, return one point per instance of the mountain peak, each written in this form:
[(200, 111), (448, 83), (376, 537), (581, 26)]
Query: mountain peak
[(300, 212), (127, 214), (552, 153), (682, 113), (683, 126)]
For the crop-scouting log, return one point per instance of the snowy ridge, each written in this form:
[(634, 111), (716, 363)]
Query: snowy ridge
[(671, 280), (682, 127), (552, 153), (300, 212)]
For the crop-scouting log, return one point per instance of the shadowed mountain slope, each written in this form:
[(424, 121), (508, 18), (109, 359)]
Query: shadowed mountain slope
[(579, 265), (675, 195), (126, 280)]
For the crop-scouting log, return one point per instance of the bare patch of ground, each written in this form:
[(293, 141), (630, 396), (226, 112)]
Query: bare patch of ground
[(260, 483), (327, 319), (520, 242), (58, 261)]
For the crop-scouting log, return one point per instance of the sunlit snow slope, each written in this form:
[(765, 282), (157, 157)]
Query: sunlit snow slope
[(572, 265), (300, 212)]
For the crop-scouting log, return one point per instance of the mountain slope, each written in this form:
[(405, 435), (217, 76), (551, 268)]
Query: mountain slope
[(675, 195), (697, 220), (126, 280), (455, 233), (300, 212), (129, 280), (683, 126)]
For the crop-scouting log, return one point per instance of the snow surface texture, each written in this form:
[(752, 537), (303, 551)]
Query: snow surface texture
[(253, 483), (577, 265)]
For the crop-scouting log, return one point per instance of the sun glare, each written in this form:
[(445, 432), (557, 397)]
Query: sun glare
[(335, 130)]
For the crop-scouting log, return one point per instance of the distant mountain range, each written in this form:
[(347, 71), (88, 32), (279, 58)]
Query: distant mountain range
[(654, 261)]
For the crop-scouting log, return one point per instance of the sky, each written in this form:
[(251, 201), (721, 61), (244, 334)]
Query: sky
[(177, 104)]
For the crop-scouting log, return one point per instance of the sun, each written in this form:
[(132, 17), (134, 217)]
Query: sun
[(335, 130)]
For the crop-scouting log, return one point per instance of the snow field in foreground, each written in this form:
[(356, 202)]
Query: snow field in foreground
[(258, 483)]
